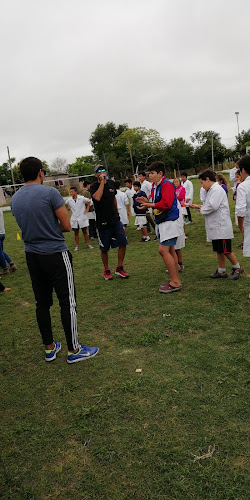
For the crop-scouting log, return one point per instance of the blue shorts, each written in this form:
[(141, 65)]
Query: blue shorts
[(112, 236), (168, 243)]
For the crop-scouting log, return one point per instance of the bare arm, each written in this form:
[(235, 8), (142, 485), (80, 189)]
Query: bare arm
[(87, 208), (98, 194), (63, 219), (68, 208), (241, 225)]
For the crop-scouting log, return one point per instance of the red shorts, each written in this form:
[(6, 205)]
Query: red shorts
[(222, 246)]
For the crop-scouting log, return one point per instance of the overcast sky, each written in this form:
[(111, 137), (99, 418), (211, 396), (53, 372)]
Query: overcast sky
[(177, 66)]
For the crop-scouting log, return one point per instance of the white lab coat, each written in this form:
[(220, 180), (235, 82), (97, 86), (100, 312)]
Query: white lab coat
[(242, 209), (217, 215), (189, 188), (130, 193), (122, 201), (78, 218), (146, 186)]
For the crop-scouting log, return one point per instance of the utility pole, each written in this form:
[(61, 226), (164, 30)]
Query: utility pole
[(237, 118), (130, 154), (238, 127), (10, 164), (212, 144)]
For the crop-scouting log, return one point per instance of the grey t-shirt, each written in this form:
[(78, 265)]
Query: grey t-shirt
[(34, 207)]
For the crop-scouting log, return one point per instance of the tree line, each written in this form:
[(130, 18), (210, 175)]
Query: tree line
[(126, 150)]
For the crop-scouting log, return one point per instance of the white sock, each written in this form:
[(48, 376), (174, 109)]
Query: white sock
[(237, 266), (221, 270)]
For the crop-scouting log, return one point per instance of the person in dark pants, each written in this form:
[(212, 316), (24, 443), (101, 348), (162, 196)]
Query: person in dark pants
[(3, 288), (91, 212), (189, 195), (40, 213)]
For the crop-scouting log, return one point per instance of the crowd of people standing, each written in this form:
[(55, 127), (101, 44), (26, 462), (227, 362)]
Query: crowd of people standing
[(158, 204)]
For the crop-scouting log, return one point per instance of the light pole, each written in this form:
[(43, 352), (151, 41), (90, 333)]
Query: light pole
[(237, 118)]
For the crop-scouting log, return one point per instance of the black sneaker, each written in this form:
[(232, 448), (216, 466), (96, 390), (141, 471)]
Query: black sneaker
[(235, 274), (218, 275)]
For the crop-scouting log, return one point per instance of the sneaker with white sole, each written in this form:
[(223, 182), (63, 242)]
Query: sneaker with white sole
[(107, 275), (51, 354), (120, 271), (82, 354), (89, 246), (76, 249), (235, 273), (216, 274)]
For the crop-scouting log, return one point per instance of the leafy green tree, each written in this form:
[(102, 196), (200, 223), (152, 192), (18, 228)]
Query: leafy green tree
[(202, 142), (5, 174), (84, 165), (242, 140), (103, 137), (141, 146), (181, 154)]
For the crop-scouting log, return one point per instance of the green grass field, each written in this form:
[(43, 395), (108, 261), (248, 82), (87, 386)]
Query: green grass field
[(99, 430)]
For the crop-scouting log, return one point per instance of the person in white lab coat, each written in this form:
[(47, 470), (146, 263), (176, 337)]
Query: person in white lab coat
[(122, 204), (189, 188), (130, 193), (78, 206), (242, 210), (218, 224)]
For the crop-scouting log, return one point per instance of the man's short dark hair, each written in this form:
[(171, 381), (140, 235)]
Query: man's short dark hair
[(157, 166), (86, 183), (117, 184), (73, 188), (29, 168), (129, 181), (137, 183), (142, 173), (184, 173), (208, 173), (245, 163)]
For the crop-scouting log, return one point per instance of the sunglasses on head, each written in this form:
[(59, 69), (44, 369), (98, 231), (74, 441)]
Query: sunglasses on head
[(101, 170)]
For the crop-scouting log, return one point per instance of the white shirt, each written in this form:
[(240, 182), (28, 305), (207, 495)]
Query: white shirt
[(217, 215), (203, 194), (78, 206), (232, 173), (242, 209), (2, 229), (188, 185), (146, 186), (122, 201), (130, 193)]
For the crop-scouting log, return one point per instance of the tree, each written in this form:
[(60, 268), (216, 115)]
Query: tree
[(84, 165), (5, 174), (141, 146), (242, 140), (203, 147), (181, 153), (59, 165), (103, 137)]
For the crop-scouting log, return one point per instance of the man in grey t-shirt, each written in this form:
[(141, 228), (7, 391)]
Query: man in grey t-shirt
[(40, 213)]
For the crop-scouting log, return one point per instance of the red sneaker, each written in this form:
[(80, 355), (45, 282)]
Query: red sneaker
[(121, 272), (107, 274)]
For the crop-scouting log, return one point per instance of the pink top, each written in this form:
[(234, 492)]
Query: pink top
[(180, 193)]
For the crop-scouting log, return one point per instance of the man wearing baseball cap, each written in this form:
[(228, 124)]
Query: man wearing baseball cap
[(109, 228)]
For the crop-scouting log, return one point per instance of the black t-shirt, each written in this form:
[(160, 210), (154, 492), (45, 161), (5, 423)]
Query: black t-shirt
[(105, 209)]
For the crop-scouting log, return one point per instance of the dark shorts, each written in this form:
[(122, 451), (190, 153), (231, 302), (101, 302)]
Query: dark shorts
[(222, 246), (112, 236)]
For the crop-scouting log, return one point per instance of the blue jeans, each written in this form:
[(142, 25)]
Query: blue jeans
[(3, 256)]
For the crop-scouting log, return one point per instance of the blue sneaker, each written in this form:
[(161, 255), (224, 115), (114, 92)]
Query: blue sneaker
[(50, 355), (83, 353)]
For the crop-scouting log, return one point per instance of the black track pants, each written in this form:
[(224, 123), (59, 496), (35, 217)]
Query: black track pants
[(50, 272)]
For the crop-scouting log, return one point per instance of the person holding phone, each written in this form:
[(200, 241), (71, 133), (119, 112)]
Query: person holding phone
[(110, 230)]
